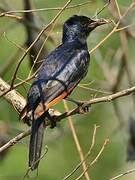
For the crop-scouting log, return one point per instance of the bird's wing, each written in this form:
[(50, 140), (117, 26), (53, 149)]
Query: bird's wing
[(58, 76)]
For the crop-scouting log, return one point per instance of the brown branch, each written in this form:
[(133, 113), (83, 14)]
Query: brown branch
[(13, 97), (16, 99), (76, 140), (11, 16), (108, 98)]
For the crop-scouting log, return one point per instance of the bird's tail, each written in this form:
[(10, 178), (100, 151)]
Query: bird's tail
[(36, 140)]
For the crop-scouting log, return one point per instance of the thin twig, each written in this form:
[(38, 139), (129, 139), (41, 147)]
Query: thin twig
[(15, 140), (39, 35), (123, 174), (40, 50), (11, 16), (86, 156), (47, 9), (118, 9), (95, 160), (108, 98), (76, 140), (100, 152), (115, 28)]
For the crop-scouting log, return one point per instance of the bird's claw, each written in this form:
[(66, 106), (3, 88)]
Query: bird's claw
[(53, 123), (27, 121), (83, 110), (52, 120)]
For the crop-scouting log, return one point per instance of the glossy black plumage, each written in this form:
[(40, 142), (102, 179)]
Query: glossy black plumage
[(63, 68), (58, 75)]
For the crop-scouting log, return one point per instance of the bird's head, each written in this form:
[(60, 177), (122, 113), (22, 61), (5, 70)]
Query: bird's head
[(79, 27)]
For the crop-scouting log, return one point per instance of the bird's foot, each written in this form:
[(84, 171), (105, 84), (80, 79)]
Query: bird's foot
[(52, 121), (27, 121), (80, 105), (83, 110)]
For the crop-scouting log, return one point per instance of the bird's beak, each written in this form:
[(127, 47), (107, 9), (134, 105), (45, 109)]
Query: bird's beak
[(98, 22)]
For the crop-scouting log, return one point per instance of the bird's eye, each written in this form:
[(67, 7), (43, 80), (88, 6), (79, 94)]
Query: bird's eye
[(83, 23)]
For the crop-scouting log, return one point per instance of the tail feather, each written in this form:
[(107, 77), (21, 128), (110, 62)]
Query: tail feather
[(36, 141)]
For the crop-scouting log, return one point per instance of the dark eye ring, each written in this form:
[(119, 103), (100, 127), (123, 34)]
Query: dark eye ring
[(83, 24)]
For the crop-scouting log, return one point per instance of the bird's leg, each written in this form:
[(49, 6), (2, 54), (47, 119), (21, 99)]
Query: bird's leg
[(52, 121), (82, 109)]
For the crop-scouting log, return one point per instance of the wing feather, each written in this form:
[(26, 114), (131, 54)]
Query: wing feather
[(62, 70)]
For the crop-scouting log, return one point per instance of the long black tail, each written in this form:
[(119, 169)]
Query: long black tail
[(36, 140)]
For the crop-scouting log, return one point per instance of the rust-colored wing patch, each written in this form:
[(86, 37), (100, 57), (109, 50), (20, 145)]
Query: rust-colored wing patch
[(42, 108)]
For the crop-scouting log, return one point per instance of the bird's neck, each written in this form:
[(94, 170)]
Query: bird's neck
[(70, 36)]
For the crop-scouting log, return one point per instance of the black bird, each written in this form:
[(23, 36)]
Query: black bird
[(58, 75)]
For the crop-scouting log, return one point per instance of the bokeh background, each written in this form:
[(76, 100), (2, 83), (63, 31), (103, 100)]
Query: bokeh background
[(113, 118)]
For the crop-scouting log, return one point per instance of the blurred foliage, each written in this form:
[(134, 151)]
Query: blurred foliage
[(62, 155)]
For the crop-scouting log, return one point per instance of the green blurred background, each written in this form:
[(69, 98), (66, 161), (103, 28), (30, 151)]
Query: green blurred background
[(62, 155)]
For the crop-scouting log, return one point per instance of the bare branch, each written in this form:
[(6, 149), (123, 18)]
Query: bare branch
[(123, 174), (11, 16), (115, 28), (108, 98), (48, 9), (15, 140), (13, 97)]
